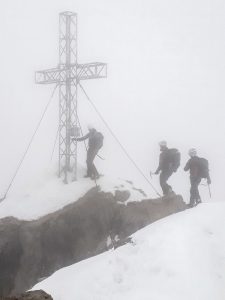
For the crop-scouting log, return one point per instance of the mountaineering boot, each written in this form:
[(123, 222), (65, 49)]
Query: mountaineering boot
[(170, 193), (198, 201), (95, 177), (192, 203)]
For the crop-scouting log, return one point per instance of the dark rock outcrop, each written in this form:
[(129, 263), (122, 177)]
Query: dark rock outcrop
[(32, 295), (31, 251)]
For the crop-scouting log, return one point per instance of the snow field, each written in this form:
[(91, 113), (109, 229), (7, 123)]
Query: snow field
[(179, 257)]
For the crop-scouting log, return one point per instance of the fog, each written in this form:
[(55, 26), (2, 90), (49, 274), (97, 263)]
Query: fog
[(165, 81)]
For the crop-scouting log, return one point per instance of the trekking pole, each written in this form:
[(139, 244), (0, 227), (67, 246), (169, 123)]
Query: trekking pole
[(210, 195)]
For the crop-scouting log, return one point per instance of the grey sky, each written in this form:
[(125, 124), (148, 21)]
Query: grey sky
[(165, 80)]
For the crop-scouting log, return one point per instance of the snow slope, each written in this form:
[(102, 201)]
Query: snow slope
[(47, 194), (181, 257)]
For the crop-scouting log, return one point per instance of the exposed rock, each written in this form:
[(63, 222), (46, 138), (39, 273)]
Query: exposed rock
[(11, 251), (32, 295), (122, 196), (31, 251)]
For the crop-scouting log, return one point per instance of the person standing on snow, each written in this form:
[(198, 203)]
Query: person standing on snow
[(199, 169), (95, 142), (169, 161)]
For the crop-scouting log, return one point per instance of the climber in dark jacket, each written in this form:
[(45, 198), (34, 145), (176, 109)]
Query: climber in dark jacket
[(166, 167), (195, 177), (95, 142)]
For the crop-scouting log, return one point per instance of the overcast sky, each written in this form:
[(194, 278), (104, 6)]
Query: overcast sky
[(165, 81)]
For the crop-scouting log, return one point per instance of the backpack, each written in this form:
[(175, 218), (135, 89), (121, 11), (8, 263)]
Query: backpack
[(203, 167), (98, 140), (174, 155)]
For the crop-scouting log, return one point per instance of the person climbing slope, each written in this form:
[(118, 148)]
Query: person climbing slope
[(95, 143), (199, 169), (169, 161)]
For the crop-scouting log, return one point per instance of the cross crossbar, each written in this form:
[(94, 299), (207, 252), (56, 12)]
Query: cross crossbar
[(79, 72), (67, 76)]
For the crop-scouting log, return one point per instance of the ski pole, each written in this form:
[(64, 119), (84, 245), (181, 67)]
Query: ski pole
[(210, 195)]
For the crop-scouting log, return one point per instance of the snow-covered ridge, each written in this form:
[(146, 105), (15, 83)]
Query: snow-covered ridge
[(51, 194), (180, 257)]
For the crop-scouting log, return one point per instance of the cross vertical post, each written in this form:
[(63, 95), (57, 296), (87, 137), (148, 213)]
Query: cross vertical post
[(67, 93), (67, 76)]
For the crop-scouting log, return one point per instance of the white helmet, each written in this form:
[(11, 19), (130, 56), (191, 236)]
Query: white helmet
[(163, 144), (90, 126), (192, 152)]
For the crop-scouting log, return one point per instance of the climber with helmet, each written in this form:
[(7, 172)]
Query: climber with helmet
[(169, 161), (95, 142), (199, 169)]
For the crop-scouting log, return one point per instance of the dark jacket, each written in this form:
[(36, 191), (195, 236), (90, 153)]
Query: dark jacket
[(91, 136), (193, 166), (165, 163)]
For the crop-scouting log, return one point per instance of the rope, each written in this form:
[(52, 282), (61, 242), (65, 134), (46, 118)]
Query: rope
[(28, 147), (117, 140), (54, 143)]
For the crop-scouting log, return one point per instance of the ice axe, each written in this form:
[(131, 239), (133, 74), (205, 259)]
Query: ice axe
[(151, 173), (99, 156)]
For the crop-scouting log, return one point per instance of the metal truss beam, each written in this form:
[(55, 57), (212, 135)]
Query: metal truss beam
[(67, 75), (81, 72)]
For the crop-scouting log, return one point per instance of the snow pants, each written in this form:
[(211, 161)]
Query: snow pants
[(91, 169), (164, 176), (194, 192)]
